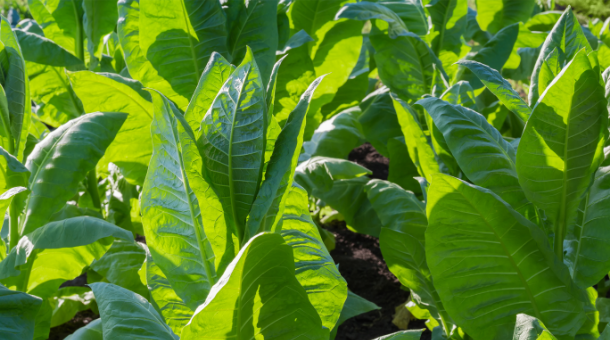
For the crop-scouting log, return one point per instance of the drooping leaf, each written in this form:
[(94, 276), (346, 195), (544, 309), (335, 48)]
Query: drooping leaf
[(315, 269), (297, 40), (171, 213), (215, 74), (412, 13), (267, 208), (18, 311), (56, 252), (233, 142), (378, 120), (587, 255), (493, 15), (127, 315), (335, 137), (483, 155), (567, 37), (354, 305), (265, 297), (132, 147), (494, 54), (41, 50), (120, 265), (173, 310), (500, 87), (562, 144), (62, 160), (406, 64), (365, 10), (91, 331), (402, 243), (191, 30), (508, 256)]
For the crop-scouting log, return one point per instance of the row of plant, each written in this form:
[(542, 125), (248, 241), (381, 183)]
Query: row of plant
[(219, 130)]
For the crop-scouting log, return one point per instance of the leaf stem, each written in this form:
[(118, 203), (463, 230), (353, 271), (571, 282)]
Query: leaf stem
[(92, 189), (559, 236)]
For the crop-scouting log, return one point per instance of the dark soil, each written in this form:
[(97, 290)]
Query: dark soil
[(361, 264), (368, 157), (80, 320)]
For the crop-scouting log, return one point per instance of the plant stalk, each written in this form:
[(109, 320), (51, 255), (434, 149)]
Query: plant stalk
[(92, 189), (13, 226)]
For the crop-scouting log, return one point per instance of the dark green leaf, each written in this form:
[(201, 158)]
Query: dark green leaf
[(18, 311), (489, 264), (62, 160), (378, 120)]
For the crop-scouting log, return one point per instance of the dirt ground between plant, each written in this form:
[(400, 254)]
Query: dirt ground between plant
[(360, 262)]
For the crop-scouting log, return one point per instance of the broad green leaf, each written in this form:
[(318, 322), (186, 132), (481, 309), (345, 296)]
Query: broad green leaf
[(526, 39), (171, 213), (378, 120), (17, 89), (315, 17), (132, 147), (127, 315), (320, 172), (267, 208), (353, 91), (12, 172), (494, 54), (530, 328), (449, 19), (6, 138), (590, 329), (61, 21), (499, 87), (406, 64), (587, 252), (292, 81), (402, 243), (365, 10), (191, 30), (507, 256), (120, 265), (68, 301), (354, 305), (403, 335), (263, 297), (340, 184), (62, 160), (562, 144), (567, 36), (91, 331), (297, 40), (543, 22), (336, 56), (41, 50), (56, 252), (335, 137), (419, 147), (254, 27), (460, 93), (402, 170), (18, 311), (49, 85), (128, 30), (233, 142), (473, 30), (493, 15), (315, 269), (99, 19), (482, 154), (215, 74), (412, 14), (43, 320), (173, 310)]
